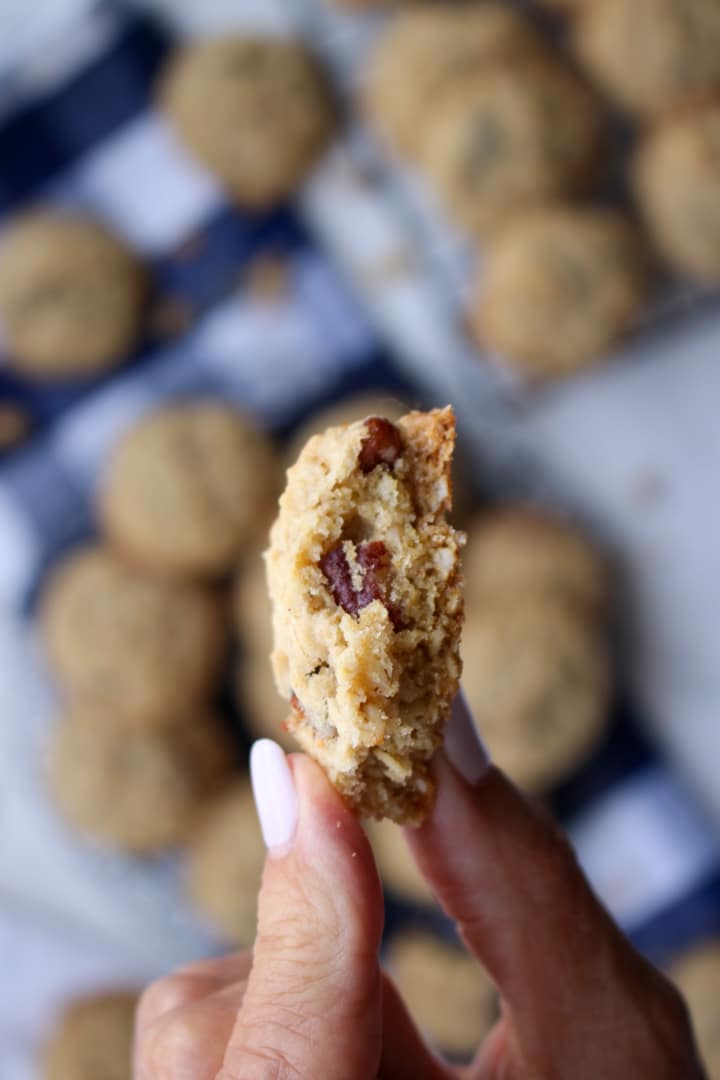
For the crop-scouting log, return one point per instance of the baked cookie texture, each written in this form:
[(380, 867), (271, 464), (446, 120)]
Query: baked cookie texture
[(71, 296), (123, 642), (511, 137), (677, 185), (258, 112), (426, 49), (560, 286), (364, 576), (448, 994), (227, 855), (136, 790), (697, 975), (651, 54), (93, 1039), (188, 487)]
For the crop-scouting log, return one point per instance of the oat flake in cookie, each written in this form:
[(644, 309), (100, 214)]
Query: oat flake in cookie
[(364, 575)]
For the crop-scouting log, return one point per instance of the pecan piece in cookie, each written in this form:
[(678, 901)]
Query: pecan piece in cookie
[(382, 445)]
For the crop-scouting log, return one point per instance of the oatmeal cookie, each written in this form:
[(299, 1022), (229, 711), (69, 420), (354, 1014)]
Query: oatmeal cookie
[(677, 183), (697, 975), (258, 112), (537, 681), (364, 575), (124, 642), (188, 488), (345, 411), (71, 296), (559, 288), (93, 1039)]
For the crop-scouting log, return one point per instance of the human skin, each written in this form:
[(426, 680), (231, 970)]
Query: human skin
[(311, 1000)]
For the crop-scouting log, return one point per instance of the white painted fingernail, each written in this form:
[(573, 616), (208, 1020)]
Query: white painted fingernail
[(463, 743), (275, 795)]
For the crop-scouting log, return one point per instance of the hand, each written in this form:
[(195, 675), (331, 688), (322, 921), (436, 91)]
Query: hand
[(311, 1003)]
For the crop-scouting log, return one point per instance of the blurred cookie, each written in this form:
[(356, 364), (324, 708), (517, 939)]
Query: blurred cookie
[(697, 975), (448, 994), (518, 551), (397, 867), (559, 288), (425, 49), (258, 112), (677, 182), (345, 411), (536, 676), (649, 54), (71, 296), (93, 1039), (189, 487), (136, 790), (123, 642), (510, 137), (226, 860)]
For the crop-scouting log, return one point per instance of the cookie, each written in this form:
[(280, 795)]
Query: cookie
[(424, 50), (677, 184), (512, 136), (188, 488), (397, 867), (364, 576), (123, 642), (448, 994), (651, 54), (93, 1039), (559, 288), (537, 681), (697, 975), (227, 855), (345, 411), (71, 296), (518, 551), (135, 790), (258, 112)]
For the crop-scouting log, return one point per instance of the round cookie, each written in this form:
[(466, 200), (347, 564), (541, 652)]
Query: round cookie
[(536, 676), (559, 288), (71, 296), (123, 642), (258, 112), (425, 49), (93, 1039), (677, 183), (650, 54), (188, 487), (510, 137), (397, 867), (136, 790), (518, 551), (697, 975), (447, 993), (226, 860)]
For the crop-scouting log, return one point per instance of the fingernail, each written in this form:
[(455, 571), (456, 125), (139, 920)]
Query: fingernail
[(275, 795), (463, 743)]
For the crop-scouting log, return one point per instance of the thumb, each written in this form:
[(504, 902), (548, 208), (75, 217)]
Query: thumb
[(313, 1001)]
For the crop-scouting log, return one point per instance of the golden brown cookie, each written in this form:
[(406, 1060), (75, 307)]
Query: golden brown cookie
[(559, 288), (93, 1039), (257, 111), (71, 296), (136, 790), (226, 860), (397, 867), (188, 488), (123, 642), (650, 54), (364, 575), (345, 411), (517, 551), (697, 975), (537, 680), (448, 994), (426, 49), (677, 183), (510, 137)]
